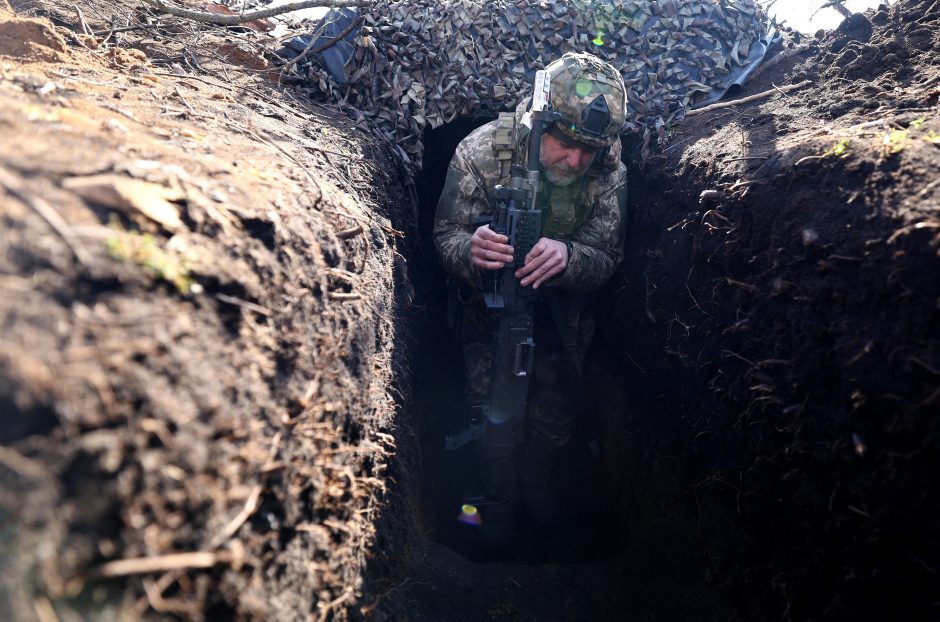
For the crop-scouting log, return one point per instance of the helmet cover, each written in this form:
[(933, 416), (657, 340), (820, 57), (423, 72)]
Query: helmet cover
[(590, 95)]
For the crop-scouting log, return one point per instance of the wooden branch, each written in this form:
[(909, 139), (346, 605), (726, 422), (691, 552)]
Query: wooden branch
[(233, 20), (838, 6), (47, 213), (299, 57), (254, 497), (325, 46), (161, 563), (17, 462), (833, 4), (238, 302), (355, 24), (81, 19), (235, 524), (114, 31), (749, 98)]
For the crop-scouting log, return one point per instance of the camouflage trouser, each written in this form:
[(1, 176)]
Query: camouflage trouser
[(556, 381)]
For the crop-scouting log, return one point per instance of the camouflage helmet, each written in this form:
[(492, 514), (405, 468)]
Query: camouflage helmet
[(590, 95)]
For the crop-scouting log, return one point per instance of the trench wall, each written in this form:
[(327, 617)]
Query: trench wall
[(768, 353)]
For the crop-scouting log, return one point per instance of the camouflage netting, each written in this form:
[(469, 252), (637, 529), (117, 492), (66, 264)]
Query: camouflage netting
[(425, 62)]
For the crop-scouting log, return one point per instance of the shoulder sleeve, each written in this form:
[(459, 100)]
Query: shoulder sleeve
[(463, 203), (597, 247)]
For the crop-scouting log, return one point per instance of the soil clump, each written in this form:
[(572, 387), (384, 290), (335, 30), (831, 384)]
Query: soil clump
[(29, 39)]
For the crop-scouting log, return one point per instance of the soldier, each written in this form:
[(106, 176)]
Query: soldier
[(583, 201)]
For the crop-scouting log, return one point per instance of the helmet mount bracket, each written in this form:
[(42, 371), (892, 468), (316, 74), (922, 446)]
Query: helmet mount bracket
[(595, 119)]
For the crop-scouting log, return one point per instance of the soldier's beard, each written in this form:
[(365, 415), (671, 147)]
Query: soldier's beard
[(559, 174)]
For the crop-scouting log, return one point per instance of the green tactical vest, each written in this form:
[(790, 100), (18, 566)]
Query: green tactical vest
[(564, 208)]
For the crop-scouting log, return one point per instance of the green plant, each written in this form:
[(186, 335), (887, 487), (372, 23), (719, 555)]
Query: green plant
[(839, 149), (893, 142), (143, 249)]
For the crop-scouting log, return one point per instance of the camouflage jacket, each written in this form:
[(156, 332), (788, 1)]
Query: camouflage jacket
[(590, 213)]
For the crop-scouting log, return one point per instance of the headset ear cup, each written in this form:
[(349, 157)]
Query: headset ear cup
[(600, 159), (607, 159)]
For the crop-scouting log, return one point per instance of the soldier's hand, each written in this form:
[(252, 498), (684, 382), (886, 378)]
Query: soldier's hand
[(546, 259), (489, 250)]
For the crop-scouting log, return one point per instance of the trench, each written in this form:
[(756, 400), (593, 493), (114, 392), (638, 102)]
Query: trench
[(758, 442), (749, 461), (628, 540)]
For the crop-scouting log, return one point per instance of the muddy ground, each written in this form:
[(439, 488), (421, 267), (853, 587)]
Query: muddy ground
[(252, 363)]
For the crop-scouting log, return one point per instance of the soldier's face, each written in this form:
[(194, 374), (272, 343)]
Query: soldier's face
[(564, 162)]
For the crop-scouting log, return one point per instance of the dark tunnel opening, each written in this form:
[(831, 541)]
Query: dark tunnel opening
[(637, 534), (593, 525)]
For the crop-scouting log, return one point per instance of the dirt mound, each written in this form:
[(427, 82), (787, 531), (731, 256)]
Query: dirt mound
[(31, 40), (195, 361), (863, 61)]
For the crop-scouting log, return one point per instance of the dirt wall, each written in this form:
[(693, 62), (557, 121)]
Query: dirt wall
[(774, 332), (196, 359)]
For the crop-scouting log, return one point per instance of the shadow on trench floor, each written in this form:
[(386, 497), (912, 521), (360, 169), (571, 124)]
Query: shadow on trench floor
[(610, 559), (644, 583), (587, 526), (590, 568)]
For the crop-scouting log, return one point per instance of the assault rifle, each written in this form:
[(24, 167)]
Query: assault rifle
[(500, 428)]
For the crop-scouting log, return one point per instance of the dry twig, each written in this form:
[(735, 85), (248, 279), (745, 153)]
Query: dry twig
[(81, 19), (327, 608), (352, 232), (179, 94), (837, 5), (114, 31), (749, 98), (15, 461), (161, 563), (233, 20), (244, 304), (923, 192), (47, 213), (44, 610), (320, 48), (251, 505), (344, 296)]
